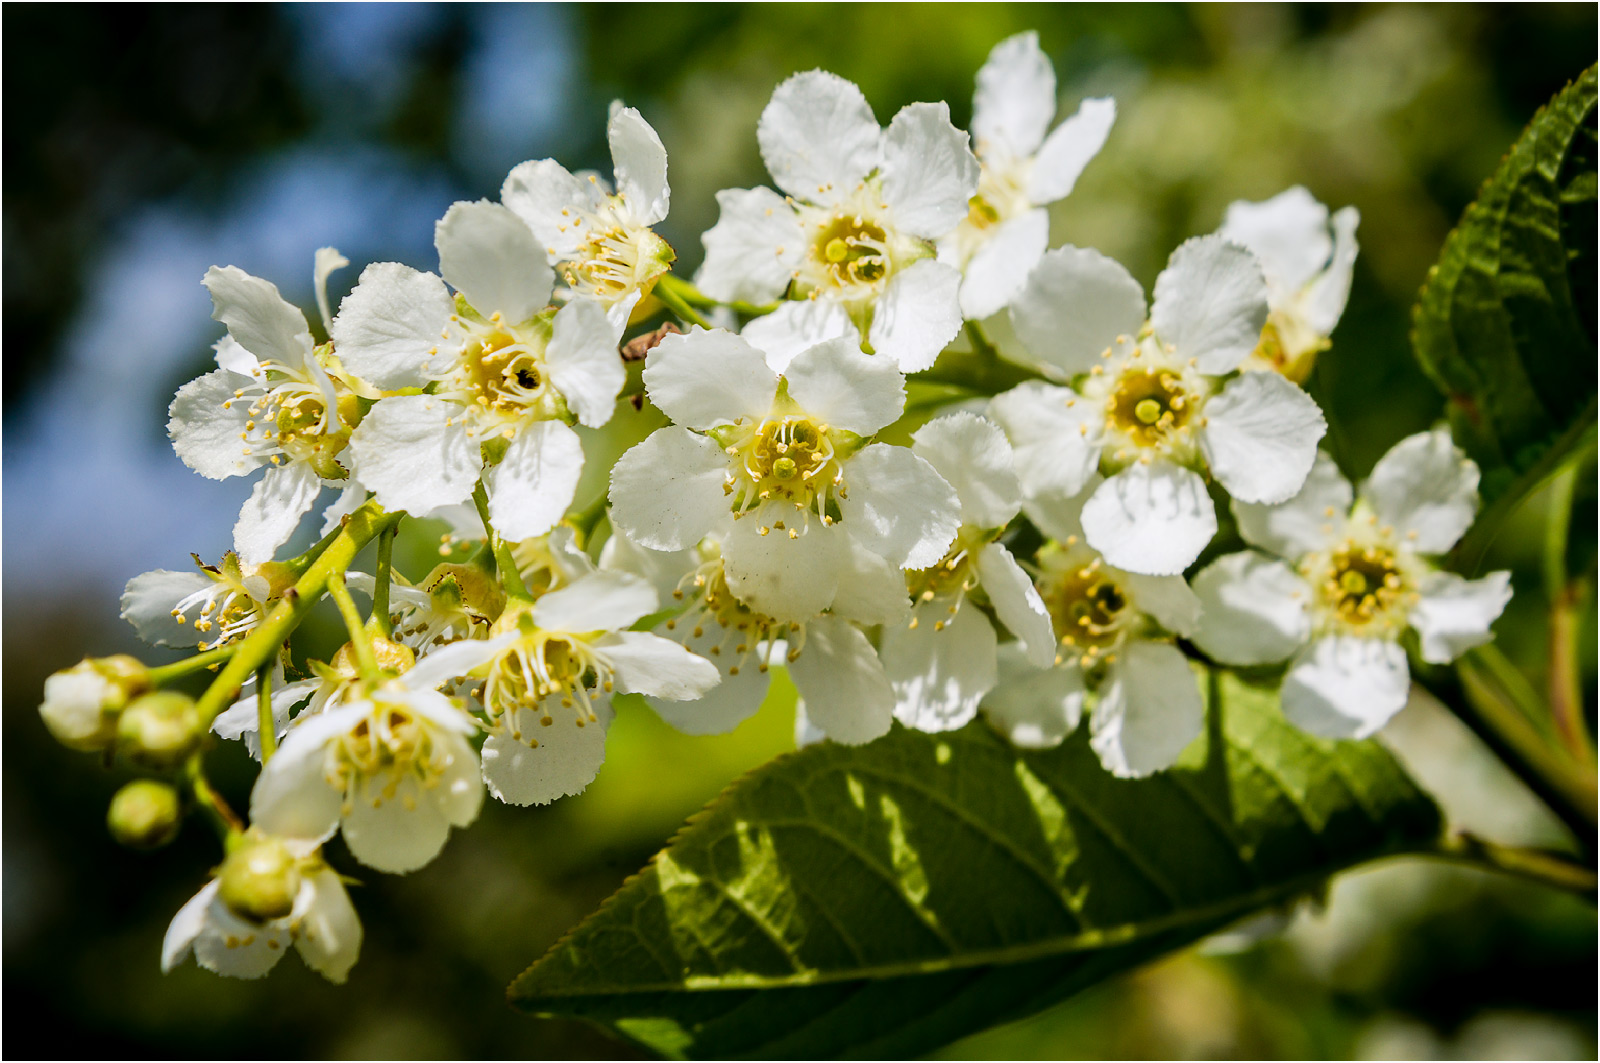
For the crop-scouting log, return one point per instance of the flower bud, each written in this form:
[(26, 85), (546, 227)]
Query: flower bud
[(259, 880), (467, 588), (159, 730), (391, 657), (145, 814), (81, 703)]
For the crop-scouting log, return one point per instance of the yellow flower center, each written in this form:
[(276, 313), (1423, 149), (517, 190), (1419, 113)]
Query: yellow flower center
[(1089, 609), (785, 458)]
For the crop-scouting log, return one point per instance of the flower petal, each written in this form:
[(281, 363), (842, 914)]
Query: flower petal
[(1288, 234), (583, 362), (600, 601), (1166, 599), (149, 599), (395, 830), (754, 248), (292, 797), (939, 675), (1035, 708), (1210, 303), (389, 323), (732, 701), (929, 173), (702, 379), (641, 165), (565, 761), (1346, 687), (414, 452), (548, 199), (818, 137), (1017, 603), (1075, 305), (1069, 149), (351, 498), (533, 484), (273, 510), (1015, 99), (974, 457), (899, 507), (1256, 610), (845, 388), (796, 325), (1150, 519), (206, 423), (261, 320), (489, 255), (1055, 434), (787, 579), (871, 590), (1453, 615), (227, 945), (666, 493), (918, 313), (1149, 711), (650, 664), (1305, 523), (999, 270), (847, 694), (1427, 489), (186, 926), (1260, 437), (329, 940), (1324, 302)]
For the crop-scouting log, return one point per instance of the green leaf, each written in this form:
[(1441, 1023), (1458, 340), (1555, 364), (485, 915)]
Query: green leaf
[(1505, 324), (886, 899)]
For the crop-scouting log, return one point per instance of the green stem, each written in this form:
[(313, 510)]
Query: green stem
[(585, 519), (379, 621), (264, 718), (223, 819), (1511, 680), (981, 370), (165, 673), (1556, 522), (670, 294), (1544, 866), (684, 290), (360, 528), (360, 640), (1564, 596), (510, 577)]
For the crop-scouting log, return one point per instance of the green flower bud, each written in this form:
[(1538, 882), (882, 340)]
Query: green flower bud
[(81, 703), (145, 814), (259, 880), (159, 730)]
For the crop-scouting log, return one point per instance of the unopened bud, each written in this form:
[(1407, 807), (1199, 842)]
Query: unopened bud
[(159, 730), (145, 814), (259, 880), (391, 657), (468, 588), (81, 703)]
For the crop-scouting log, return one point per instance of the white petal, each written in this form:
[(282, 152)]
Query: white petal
[(1324, 302), (1454, 614), (732, 701), (1069, 149), (1015, 99), (205, 433), (395, 831), (413, 451), (796, 325), (818, 137), (1035, 708), (844, 388), (973, 456), (929, 173), (1261, 437), (235, 359), (998, 271), (533, 484), (1345, 687), (1255, 609), (650, 664), (663, 569), (1075, 305), (1149, 711), (1166, 599), (350, 499), (1056, 436), (703, 379), (787, 579), (899, 506), (1150, 519), (230, 946), (871, 590), (641, 165), (293, 797), (583, 361), (939, 676), (1427, 486), (1210, 303), (847, 695), (548, 199), (264, 323), (186, 926), (601, 601), (273, 510), (918, 313), (330, 933), (1017, 603), (1287, 233), (565, 762), (437, 667), (489, 255), (1307, 522), (754, 248), (389, 323), (666, 492), (148, 601)]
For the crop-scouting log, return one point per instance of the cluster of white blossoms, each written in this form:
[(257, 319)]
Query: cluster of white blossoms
[(1022, 558)]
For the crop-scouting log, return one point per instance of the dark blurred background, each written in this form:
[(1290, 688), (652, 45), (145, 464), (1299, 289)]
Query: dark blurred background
[(143, 144)]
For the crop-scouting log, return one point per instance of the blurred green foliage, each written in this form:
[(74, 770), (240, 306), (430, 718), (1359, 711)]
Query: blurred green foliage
[(1399, 110)]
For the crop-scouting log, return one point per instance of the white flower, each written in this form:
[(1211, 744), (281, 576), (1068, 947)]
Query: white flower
[(942, 662), (1308, 274), (1007, 229), (1110, 627), (392, 766), (170, 608), (503, 375), (785, 456), (275, 402), (601, 242), (322, 925), (856, 229), (1151, 404), (1347, 582), (81, 703), (548, 689)]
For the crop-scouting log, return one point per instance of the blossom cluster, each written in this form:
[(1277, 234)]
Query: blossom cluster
[(1020, 555)]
